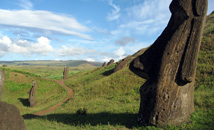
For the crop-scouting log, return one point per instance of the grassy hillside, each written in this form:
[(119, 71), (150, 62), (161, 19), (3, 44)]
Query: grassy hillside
[(17, 85), (107, 100)]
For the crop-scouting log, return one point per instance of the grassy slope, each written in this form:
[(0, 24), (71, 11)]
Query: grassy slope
[(17, 86), (104, 100)]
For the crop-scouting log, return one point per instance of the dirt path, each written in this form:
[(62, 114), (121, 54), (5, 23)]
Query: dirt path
[(50, 109)]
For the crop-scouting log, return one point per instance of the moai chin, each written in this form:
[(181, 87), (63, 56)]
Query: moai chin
[(169, 66), (32, 94), (65, 72)]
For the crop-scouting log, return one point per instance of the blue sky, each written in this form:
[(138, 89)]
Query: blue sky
[(93, 30)]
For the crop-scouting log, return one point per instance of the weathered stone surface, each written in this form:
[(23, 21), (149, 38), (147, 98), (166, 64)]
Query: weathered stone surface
[(110, 62), (2, 78), (32, 94), (124, 62), (10, 118), (65, 72), (169, 66), (104, 64)]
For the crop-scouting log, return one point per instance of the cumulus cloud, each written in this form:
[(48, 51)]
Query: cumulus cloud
[(73, 51), (44, 20), (125, 40), (120, 53), (114, 12), (24, 47), (89, 59)]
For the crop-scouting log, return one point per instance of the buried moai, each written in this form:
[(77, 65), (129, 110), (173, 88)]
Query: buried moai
[(65, 72), (110, 62), (32, 94), (169, 66), (10, 118), (104, 64)]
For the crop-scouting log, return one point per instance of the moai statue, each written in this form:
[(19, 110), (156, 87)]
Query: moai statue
[(169, 66), (2, 78), (65, 72), (10, 118), (32, 94), (104, 64), (110, 62)]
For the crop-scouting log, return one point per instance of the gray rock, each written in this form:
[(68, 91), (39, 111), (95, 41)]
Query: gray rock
[(65, 72), (2, 78)]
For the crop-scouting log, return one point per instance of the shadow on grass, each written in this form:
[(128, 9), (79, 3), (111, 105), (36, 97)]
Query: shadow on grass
[(24, 102), (105, 118), (109, 72)]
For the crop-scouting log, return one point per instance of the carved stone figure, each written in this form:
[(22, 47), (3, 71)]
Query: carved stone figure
[(110, 62), (2, 78), (104, 64), (169, 66), (32, 94), (65, 72), (10, 118)]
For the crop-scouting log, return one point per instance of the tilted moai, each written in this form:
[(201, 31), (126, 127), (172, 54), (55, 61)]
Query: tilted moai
[(10, 118), (110, 62), (169, 66), (32, 94), (65, 72), (104, 64)]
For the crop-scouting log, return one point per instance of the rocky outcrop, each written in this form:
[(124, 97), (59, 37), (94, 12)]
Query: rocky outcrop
[(110, 62), (32, 94), (169, 66), (2, 78), (65, 72), (10, 118)]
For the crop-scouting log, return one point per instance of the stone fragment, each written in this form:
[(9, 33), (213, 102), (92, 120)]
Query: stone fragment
[(169, 66), (65, 72), (32, 94)]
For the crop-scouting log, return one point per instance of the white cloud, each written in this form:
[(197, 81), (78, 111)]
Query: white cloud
[(114, 12), (24, 47), (125, 40), (89, 59), (73, 51), (149, 18), (106, 59), (120, 52), (44, 20), (26, 4)]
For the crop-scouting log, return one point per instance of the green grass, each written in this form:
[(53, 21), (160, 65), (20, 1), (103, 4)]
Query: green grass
[(106, 100), (16, 90)]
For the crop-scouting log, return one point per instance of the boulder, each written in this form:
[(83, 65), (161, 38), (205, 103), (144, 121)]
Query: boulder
[(32, 94)]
